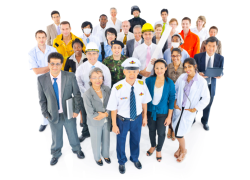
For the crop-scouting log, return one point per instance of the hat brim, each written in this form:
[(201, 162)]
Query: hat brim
[(131, 68), (92, 50)]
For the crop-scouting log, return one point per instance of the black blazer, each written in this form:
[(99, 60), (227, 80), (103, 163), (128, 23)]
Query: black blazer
[(71, 64), (165, 45)]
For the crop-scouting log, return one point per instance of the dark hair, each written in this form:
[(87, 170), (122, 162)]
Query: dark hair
[(86, 23), (77, 41), (65, 22), (164, 10), (41, 31), (176, 49), (192, 62), (55, 55), (103, 15), (186, 18), (212, 39), (164, 62), (213, 27), (55, 12), (110, 30)]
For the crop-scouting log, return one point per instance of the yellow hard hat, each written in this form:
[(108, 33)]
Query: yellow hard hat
[(147, 27)]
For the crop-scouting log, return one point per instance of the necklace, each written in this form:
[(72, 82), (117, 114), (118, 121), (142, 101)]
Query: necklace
[(96, 90)]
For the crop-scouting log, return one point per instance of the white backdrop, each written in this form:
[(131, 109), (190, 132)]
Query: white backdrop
[(222, 152)]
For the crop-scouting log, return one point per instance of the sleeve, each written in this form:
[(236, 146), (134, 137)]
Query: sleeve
[(122, 51), (113, 101), (171, 97), (54, 43), (88, 107), (100, 54), (107, 77), (77, 95), (42, 100), (177, 86), (205, 97), (197, 46), (127, 50), (203, 48), (32, 61), (79, 80), (48, 36), (147, 96), (67, 65)]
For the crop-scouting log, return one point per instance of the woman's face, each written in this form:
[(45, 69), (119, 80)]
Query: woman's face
[(173, 24), (110, 36), (176, 57), (160, 69), (96, 79), (189, 68), (158, 31), (77, 48), (200, 23), (113, 13)]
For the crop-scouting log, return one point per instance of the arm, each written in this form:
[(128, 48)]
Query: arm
[(88, 107), (144, 115), (34, 66), (205, 97), (48, 36), (171, 100), (79, 80), (41, 70), (77, 96), (42, 100), (115, 128), (107, 77), (197, 46)]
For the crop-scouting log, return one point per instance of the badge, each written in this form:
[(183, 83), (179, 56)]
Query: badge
[(140, 82), (124, 98), (119, 86), (132, 62), (141, 94)]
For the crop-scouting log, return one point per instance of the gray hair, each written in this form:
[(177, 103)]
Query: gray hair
[(96, 70), (136, 26), (113, 8)]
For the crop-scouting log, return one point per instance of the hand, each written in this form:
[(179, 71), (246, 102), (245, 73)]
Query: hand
[(153, 61), (75, 115), (145, 73), (144, 121), (218, 77), (203, 75), (167, 121), (100, 116), (177, 107), (191, 110), (115, 129)]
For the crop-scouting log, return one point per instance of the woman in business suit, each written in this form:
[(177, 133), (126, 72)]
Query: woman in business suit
[(98, 118), (160, 109), (192, 95)]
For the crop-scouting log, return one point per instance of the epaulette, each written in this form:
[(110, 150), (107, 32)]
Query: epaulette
[(119, 86), (140, 82)]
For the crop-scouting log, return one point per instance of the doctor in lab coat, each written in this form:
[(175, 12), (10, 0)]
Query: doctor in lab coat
[(192, 95)]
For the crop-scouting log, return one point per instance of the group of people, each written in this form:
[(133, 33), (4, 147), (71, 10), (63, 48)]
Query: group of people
[(105, 71)]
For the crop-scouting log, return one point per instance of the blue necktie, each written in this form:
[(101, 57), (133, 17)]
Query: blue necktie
[(87, 40), (55, 86), (132, 104)]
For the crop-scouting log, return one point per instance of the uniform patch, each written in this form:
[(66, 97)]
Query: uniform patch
[(141, 94), (140, 82), (56, 44), (132, 62), (124, 98), (119, 86)]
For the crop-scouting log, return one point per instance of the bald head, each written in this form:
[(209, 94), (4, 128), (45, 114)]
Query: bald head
[(125, 26)]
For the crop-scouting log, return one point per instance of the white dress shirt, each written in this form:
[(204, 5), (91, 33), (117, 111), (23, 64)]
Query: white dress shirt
[(117, 25), (137, 43), (58, 81), (99, 32), (92, 38), (120, 36), (160, 22), (120, 97), (203, 34), (82, 75)]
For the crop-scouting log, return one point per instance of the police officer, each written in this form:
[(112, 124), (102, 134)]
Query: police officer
[(135, 11), (128, 106)]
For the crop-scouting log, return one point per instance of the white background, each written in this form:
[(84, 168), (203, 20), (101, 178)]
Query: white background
[(221, 152)]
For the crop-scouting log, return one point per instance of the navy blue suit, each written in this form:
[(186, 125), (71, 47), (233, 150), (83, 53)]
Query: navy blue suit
[(201, 65)]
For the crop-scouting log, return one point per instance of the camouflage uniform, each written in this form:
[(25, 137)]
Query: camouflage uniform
[(115, 68)]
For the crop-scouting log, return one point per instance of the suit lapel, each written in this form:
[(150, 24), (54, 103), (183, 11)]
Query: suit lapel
[(49, 84), (203, 62), (215, 60), (133, 43), (53, 28), (104, 95), (142, 41), (94, 95), (63, 81)]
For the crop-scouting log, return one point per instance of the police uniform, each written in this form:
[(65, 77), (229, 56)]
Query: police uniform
[(120, 100)]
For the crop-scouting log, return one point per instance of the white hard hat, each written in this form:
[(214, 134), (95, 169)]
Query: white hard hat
[(91, 46)]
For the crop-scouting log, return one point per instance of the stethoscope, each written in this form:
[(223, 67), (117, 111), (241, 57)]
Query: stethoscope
[(187, 95)]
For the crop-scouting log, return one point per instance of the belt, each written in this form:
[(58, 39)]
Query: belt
[(127, 119)]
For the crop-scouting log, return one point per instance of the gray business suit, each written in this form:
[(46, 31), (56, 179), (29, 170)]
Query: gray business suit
[(49, 107), (99, 130), (130, 47)]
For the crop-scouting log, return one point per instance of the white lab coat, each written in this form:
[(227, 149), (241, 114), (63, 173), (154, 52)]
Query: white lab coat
[(199, 96)]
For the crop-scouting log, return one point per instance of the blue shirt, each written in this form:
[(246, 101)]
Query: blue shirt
[(107, 49), (37, 58), (168, 59)]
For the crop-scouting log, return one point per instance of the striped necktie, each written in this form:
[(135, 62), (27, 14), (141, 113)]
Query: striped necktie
[(132, 104)]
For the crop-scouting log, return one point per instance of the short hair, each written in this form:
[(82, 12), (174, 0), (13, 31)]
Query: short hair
[(77, 41), (164, 10), (158, 25), (201, 18), (186, 18), (96, 69), (213, 27), (192, 62), (110, 30), (113, 8), (55, 55), (176, 50), (173, 20), (55, 12), (86, 23), (41, 31), (103, 15), (137, 26), (212, 39), (65, 22)]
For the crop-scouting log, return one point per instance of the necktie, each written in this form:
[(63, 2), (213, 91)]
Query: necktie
[(209, 65), (55, 86), (163, 28), (132, 104), (58, 30), (136, 44), (125, 39), (148, 57), (87, 40), (93, 67)]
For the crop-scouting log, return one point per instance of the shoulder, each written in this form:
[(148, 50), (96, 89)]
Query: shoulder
[(150, 79), (218, 56), (170, 81), (130, 41), (32, 51), (49, 26), (202, 80), (103, 66), (52, 49), (42, 77), (167, 51), (199, 55), (69, 74), (119, 85), (106, 88), (182, 75)]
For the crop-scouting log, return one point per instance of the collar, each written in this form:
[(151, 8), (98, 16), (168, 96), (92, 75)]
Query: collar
[(146, 46), (58, 77), (90, 65), (182, 33), (57, 26), (100, 27), (37, 49), (86, 36), (127, 84), (195, 78), (207, 56), (73, 57), (139, 41), (171, 65)]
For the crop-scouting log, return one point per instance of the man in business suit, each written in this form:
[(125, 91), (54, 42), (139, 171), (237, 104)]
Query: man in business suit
[(54, 29), (55, 87), (133, 43), (205, 60)]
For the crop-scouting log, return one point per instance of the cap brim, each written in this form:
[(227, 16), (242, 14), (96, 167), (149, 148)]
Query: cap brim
[(131, 68)]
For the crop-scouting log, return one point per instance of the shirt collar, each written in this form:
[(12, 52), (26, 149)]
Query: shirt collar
[(73, 57), (146, 46), (37, 49), (57, 26), (207, 56), (90, 65), (139, 41), (58, 77), (195, 78)]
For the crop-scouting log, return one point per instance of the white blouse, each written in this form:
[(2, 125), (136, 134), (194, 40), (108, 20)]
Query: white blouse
[(157, 95), (105, 120), (203, 34)]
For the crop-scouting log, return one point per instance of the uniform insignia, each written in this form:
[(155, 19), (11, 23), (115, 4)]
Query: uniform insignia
[(119, 86), (141, 94), (56, 44), (140, 82), (132, 62), (124, 98)]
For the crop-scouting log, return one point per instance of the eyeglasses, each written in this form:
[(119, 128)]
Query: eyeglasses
[(53, 64), (95, 78), (110, 34), (173, 56)]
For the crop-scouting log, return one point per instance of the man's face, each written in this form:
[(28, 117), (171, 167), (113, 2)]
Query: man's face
[(55, 66), (211, 47), (148, 36), (125, 27), (131, 75), (136, 13), (185, 24), (164, 16), (213, 32), (92, 56), (103, 21), (56, 18), (137, 34), (116, 49), (41, 39), (65, 29)]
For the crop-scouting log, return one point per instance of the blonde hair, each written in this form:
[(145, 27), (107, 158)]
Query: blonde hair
[(202, 18), (158, 25), (173, 20)]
